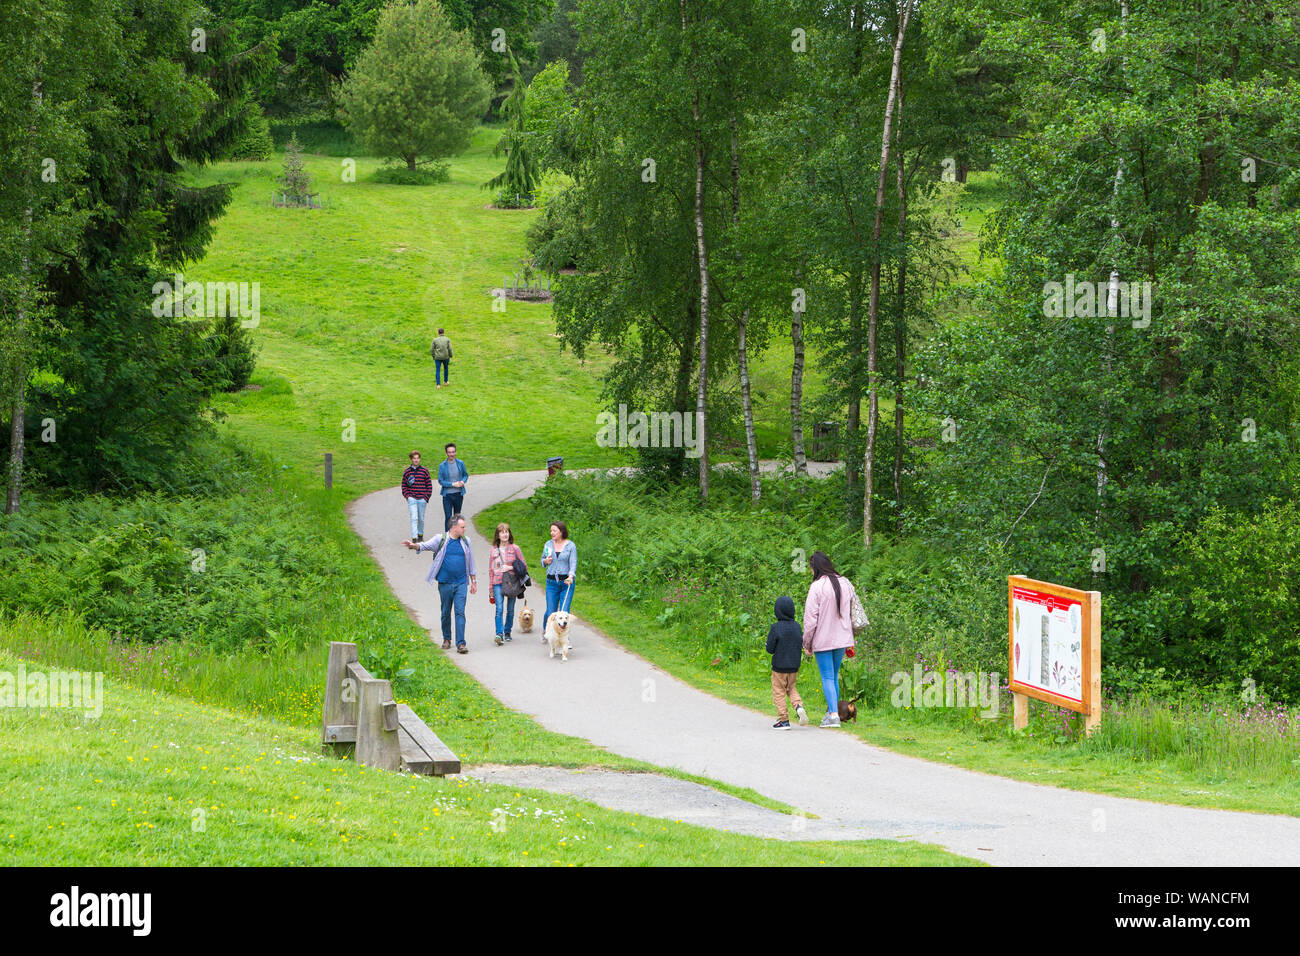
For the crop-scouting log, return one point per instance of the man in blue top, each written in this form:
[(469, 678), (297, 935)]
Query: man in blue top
[(452, 475), (454, 572)]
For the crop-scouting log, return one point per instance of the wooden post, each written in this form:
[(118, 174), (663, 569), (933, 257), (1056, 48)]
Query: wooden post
[(329, 470), (339, 719), (1092, 608), (377, 741), (1020, 711)]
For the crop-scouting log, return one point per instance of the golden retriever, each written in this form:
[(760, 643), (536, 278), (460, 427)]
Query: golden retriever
[(557, 634)]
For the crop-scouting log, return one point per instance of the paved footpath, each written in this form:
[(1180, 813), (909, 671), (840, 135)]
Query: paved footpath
[(603, 695)]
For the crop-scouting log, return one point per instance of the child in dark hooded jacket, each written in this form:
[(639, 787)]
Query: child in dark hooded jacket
[(785, 644)]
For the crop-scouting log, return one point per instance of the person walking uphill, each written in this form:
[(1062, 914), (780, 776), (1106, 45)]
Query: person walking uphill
[(452, 475), (454, 573), (441, 352), (417, 489), (785, 644), (828, 628)]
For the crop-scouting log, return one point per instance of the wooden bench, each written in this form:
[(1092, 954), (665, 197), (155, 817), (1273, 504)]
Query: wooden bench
[(362, 719)]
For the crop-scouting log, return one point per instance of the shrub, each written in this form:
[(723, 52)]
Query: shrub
[(226, 573), (1239, 613), (234, 356), (256, 142), (426, 175)]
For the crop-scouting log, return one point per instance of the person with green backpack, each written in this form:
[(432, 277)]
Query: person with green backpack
[(441, 352)]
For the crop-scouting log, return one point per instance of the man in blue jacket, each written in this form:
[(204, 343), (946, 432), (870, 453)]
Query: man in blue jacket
[(452, 475), (454, 572)]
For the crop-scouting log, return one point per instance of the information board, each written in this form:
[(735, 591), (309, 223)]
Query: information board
[(1054, 645)]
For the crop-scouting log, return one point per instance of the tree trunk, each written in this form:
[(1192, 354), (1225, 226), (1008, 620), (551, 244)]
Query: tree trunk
[(702, 253), (900, 328), (854, 418), (1112, 302), (19, 369), (751, 443), (873, 308), (796, 395), (18, 375)]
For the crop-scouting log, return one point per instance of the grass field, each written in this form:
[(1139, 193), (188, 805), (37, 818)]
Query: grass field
[(161, 780)]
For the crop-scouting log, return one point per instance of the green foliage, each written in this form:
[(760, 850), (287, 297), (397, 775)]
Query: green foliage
[(416, 93), (220, 573), (234, 354), (1239, 617), (256, 142), (551, 116), (557, 39), (320, 132), (401, 176), (560, 238), (295, 181), (1089, 448), (519, 178)]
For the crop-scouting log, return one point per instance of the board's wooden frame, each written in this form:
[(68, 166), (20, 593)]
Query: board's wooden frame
[(1090, 706)]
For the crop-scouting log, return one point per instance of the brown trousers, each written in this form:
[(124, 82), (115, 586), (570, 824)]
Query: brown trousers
[(782, 687)]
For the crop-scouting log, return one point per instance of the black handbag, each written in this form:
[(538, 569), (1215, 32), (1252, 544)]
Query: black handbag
[(513, 583)]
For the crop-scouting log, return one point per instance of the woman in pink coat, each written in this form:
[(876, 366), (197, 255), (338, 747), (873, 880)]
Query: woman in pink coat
[(828, 629)]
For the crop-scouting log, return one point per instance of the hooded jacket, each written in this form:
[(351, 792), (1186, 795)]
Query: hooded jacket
[(785, 638)]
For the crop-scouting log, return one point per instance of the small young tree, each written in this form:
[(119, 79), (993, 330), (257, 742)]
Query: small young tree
[(520, 176), (295, 180), (416, 93)]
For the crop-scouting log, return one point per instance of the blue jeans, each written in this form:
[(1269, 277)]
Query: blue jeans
[(559, 597), (828, 663), (509, 611), (441, 371), (452, 595), (451, 505), (416, 506)]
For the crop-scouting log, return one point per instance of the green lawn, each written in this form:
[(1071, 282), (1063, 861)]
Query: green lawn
[(161, 780)]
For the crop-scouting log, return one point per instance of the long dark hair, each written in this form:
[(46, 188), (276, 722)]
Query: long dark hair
[(822, 567)]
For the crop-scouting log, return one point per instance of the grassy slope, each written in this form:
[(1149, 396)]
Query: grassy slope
[(123, 790), (975, 744)]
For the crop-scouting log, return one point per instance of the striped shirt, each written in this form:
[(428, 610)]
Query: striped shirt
[(417, 483)]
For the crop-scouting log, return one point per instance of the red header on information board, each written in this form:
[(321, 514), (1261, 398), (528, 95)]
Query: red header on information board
[(1053, 602)]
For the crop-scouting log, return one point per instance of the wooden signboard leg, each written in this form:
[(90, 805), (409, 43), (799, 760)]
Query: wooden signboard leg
[(1020, 711), (1093, 610)]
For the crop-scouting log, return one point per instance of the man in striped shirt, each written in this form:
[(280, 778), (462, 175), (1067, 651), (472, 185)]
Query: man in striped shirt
[(417, 489)]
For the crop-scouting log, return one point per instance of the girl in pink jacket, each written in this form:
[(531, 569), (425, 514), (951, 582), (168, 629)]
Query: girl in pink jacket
[(828, 628)]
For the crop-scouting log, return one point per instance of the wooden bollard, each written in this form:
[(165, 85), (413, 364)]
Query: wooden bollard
[(329, 470), (339, 720)]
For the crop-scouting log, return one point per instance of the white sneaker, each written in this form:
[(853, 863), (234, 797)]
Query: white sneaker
[(831, 720), (801, 714)]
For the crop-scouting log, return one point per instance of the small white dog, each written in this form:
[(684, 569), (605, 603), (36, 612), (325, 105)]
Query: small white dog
[(557, 634)]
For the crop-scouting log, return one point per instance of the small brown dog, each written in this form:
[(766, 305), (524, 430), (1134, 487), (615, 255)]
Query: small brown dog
[(526, 619), (848, 711)]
